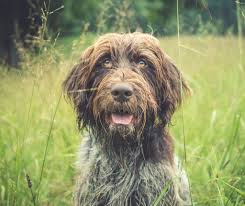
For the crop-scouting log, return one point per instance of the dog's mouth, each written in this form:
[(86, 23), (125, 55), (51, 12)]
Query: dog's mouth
[(121, 117), (123, 121)]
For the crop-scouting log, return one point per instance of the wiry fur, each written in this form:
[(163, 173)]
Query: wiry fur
[(129, 165)]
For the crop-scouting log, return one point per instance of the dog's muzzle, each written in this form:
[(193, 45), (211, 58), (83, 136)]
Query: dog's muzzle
[(121, 92)]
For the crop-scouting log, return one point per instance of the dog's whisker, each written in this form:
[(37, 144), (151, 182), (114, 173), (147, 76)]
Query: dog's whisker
[(82, 90)]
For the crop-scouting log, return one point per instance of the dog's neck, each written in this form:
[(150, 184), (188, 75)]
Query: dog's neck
[(153, 144)]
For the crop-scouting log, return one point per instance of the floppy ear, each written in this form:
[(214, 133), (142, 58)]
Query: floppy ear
[(174, 88), (75, 86)]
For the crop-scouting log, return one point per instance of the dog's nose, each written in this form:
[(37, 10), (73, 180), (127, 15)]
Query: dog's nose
[(121, 92)]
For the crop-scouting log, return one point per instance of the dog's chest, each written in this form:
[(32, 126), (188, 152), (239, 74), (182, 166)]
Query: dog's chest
[(116, 183)]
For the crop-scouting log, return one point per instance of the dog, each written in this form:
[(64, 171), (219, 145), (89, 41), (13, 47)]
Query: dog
[(125, 90)]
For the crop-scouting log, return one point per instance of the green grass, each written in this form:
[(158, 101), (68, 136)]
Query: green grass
[(38, 133)]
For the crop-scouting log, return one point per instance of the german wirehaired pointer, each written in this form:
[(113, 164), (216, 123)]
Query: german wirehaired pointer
[(125, 90)]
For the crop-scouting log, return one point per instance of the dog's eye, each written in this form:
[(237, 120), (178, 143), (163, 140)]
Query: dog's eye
[(141, 63), (107, 63)]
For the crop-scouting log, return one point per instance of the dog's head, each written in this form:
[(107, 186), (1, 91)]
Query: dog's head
[(123, 83)]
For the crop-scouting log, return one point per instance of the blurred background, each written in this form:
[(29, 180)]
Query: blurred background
[(21, 21), (40, 41)]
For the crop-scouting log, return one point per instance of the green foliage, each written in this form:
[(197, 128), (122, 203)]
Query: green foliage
[(77, 14), (115, 16), (159, 16)]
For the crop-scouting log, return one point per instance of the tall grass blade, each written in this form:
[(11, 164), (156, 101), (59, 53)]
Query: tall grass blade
[(46, 146)]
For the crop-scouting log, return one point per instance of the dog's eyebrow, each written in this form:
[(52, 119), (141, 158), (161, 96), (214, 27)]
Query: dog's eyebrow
[(100, 58)]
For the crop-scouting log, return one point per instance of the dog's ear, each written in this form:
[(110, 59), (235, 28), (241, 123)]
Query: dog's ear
[(75, 85), (173, 88)]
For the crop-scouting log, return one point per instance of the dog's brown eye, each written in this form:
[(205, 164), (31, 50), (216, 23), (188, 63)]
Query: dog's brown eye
[(141, 63), (107, 63)]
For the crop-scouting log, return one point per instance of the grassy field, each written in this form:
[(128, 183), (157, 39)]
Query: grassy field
[(39, 139)]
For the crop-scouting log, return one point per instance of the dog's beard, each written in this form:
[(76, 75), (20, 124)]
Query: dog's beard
[(119, 130)]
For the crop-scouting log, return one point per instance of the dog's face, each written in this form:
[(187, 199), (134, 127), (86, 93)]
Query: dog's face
[(123, 83)]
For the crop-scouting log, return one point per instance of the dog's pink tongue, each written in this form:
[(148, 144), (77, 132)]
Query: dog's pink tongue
[(122, 119)]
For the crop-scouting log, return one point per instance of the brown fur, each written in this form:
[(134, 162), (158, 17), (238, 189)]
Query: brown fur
[(158, 89)]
